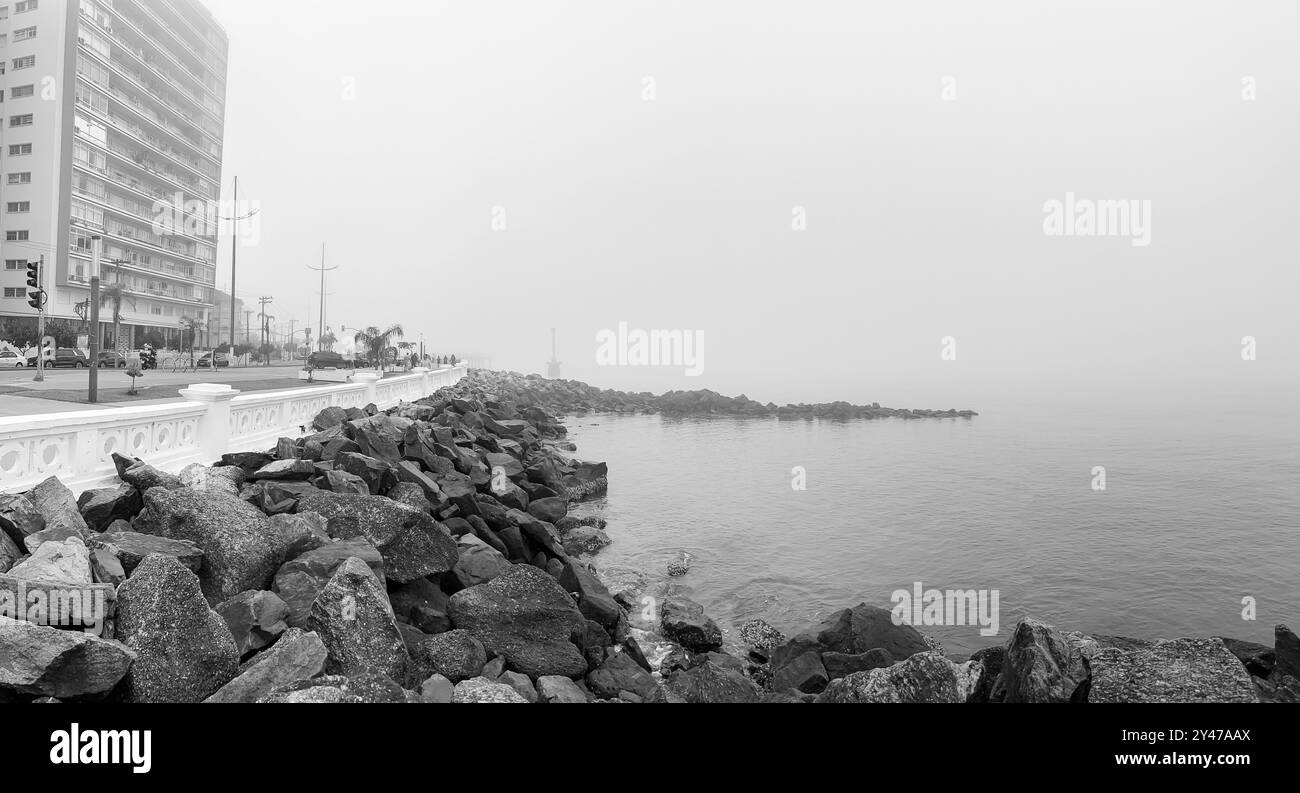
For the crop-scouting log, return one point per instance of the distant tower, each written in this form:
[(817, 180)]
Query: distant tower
[(553, 368)]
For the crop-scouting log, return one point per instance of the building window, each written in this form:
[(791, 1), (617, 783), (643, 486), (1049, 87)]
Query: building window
[(15, 264), (26, 5), (19, 149), (18, 206), (22, 91), (21, 121), (23, 177), (13, 291), (25, 62), (16, 236), (22, 34)]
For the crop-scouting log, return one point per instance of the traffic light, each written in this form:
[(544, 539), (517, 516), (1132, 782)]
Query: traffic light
[(37, 295)]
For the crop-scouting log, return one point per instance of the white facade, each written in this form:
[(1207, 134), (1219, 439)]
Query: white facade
[(112, 114)]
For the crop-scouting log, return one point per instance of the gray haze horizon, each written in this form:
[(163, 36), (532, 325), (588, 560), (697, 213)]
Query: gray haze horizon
[(650, 159)]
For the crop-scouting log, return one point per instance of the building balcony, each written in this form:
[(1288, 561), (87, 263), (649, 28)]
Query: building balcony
[(155, 41)]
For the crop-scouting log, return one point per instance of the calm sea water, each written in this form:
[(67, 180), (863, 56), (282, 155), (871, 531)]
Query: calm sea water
[(1202, 509)]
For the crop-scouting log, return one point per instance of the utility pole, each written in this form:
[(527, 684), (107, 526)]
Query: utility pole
[(95, 241), (234, 247), (265, 301), (322, 270)]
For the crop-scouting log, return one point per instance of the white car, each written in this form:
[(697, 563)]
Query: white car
[(8, 360)]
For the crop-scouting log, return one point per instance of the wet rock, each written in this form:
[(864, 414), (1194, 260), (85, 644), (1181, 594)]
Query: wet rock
[(804, 674), (47, 662), (585, 540), (548, 509), (991, 660), (685, 622), (594, 600), (240, 550), (839, 665), (1041, 665), (922, 678), (184, 650), (100, 508), (66, 562), (301, 579), (130, 549), (1257, 658), (620, 672), (760, 635), (1286, 652), (710, 683), (527, 617), (297, 655), (353, 618), (412, 543), (456, 655), (255, 619), (482, 690)]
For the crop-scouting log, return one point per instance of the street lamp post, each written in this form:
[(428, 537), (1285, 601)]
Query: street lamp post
[(95, 242)]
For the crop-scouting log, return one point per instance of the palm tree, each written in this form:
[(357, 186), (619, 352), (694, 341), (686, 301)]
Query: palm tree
[(189, 330), (377, 342), (115, 293)]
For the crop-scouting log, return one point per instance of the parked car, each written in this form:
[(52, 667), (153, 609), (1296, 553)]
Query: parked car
[(327, 360), (10, 360), (206, 361), (111, 359), (63, 356)]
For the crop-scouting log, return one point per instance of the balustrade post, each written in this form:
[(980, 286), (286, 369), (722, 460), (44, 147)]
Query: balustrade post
[(214, 426), (369, 379)]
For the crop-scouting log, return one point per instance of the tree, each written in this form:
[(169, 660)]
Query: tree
[(328, 341), (189, 329), (378, 342), (114, 294)]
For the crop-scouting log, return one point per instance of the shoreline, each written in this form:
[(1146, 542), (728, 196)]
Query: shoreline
[(428, 554)]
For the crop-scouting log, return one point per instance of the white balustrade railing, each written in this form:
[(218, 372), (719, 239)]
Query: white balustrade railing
[(213, 420)]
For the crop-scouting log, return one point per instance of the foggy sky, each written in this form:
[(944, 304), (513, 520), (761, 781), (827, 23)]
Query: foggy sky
[(924, 216)]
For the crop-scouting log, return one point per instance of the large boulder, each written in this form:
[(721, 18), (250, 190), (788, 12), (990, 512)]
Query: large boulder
[(412, 543), (353, 618), (301, 579), (456, 655), (1041, 665), (685, 622), (19, 518), (143, 476), (527, 617), (1181, 670), (710, 683), (255, 619), (184, 650), (241, 551), (100, 507), (224, 480), (555, 689), (921, 678), (478, 562), (298, 655), (423, 604), (47, 662), (58, 506), (10, 553), (620, 672), (130, 549), (66, 562), (594, 600)]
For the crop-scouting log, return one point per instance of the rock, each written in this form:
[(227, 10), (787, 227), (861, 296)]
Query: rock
[(456, 655), (1286, 652), (105, 568), (297, 655), (411, 495), (19, 518), (346, 484), (684, 622), (355, 622), (66, 562), (555, 689), (710, 683), (480, 689), (222, 480), (1041, 665), (412, 543), (248, 461), (437, 689), (301, 579), (526, 616), (680, 566), (620, 672), (47, 662), (329, 417), (369, 688), (144, 477), (130, 549), (760, 635), (495, 668), (58, 506), (421, 603), (478, 563), (585, 540), (255, 619), (839, 665), (633, 649), (921, 678), (541, 535), (594, 600), (184, 650), (548, 509), (520, 683), (1258, 659), (10, 554), (804, 674), (377, 475), (99, 508), (1181, 670), (240, 550), (300, 532), (289, 470), (991, 659)]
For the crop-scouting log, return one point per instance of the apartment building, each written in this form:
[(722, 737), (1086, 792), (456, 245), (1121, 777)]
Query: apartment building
[(111, 121)]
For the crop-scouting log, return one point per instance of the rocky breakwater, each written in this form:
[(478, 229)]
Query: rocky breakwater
[(427, 555)]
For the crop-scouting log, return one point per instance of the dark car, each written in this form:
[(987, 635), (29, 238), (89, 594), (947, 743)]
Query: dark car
[(63, 356), (111, 359), (206, 361), (326, 360)]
